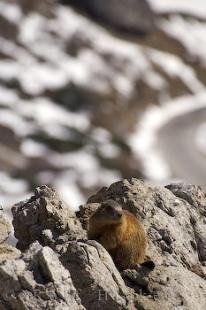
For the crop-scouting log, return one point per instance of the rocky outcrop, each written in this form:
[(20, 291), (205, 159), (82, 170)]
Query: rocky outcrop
[(37, 281), (64, 270), (5, 228), (45, 218)]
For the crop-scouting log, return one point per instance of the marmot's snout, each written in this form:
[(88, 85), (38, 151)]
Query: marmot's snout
[(119, 214), (112, 209)]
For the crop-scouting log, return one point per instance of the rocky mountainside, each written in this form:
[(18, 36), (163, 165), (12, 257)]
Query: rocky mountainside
[(72, 91), (60, 269)]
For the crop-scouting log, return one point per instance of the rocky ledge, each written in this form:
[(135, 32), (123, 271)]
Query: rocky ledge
[(59, 268)]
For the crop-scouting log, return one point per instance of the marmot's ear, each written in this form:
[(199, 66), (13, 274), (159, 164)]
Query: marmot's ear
[(149, 264)]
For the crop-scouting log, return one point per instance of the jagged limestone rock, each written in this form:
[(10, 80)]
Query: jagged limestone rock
[(93, 272), (8, 252), (174, 218), (45, 218), (37, 281), (5, 228)]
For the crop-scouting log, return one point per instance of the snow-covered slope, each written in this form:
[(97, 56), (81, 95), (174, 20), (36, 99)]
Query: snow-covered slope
[(72, 94)]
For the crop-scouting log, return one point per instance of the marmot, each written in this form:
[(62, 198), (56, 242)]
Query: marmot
[(120, 232)]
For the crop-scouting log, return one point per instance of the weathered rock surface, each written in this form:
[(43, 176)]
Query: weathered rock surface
[(93, 272), (65, 271), (5, 228), (37, 281), (45, 218), (6, 251)]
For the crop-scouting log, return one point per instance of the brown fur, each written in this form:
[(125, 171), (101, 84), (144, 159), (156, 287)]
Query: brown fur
[(120, 232)]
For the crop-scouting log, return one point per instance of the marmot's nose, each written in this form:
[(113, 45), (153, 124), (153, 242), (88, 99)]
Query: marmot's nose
[(119, 214)]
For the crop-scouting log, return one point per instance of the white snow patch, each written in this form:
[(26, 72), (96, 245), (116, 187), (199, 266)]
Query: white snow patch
[(192, 7), (90, 68), (191, 33), (11, 186), (49, 115), (9, 70), (103, 139), (7, 97), (31, 27), (109, 150), (175, 67), (101, 135), (155, 81), (7, 200), (11, 11), (144, 140), (32, 148), (104, 65), (40, 77), (14, 121), (14, 51), (82, 161), (200, 139), (86, 167), (68, 191)]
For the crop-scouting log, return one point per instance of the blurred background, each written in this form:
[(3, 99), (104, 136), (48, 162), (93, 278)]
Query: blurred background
[(94, 91)]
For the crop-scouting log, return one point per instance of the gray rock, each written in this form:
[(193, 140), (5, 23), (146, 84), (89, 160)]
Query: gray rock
[(193, 194), (178, 288), (176, 228), (93, 272), (8, 252), (5, 228), (75, 273), (197, 199), (37, 281), (134, 16), (45, 218)]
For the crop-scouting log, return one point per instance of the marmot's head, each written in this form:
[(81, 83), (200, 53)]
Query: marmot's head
[(109, 212)]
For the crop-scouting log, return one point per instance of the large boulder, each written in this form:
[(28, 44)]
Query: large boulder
[(94, 274), (174, 217)]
